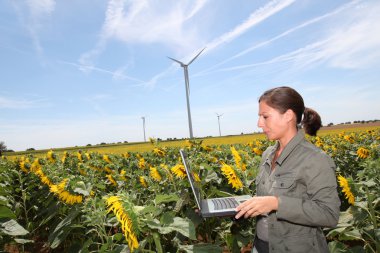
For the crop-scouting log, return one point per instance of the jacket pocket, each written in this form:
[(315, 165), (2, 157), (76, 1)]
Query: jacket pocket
[(284, 185)]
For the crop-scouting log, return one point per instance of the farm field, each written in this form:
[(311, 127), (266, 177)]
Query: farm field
[(110, 199), (234, 139)]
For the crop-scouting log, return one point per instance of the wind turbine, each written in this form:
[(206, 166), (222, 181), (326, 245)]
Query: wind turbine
[(143, 118), (187, 86), (219, 115)]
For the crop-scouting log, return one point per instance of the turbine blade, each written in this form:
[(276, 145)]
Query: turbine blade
[(181, 63), (196, 56)]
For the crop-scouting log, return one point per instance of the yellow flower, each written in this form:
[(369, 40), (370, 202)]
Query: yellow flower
[(65, 155), (35, 165), (179, 171), (362, 153), (141, 163), (143, 182), (237, 158), (257, 151), (106, 158), (159, 152), (188, 143), (230, 174), (22, 165), (196, 177), (64, 195), (349, 138), (108, 170), (50, 156), (206, 148), (346, 189), (155, 174), (125, 218), (79, 155), (110, 178), (122, 175)]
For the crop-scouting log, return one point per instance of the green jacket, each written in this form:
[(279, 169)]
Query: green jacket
[(304, 181)]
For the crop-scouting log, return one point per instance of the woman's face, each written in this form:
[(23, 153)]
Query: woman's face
[(273, 123)]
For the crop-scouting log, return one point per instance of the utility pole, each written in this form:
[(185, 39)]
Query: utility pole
[(143, 118), (187, 87), (219, 115)]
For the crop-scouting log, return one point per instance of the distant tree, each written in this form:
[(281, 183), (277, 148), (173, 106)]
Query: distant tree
[(330, 124), (3, 148), (30, 149), (88, 145)]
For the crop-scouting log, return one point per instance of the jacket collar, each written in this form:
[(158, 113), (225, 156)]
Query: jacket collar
[(297, 139)]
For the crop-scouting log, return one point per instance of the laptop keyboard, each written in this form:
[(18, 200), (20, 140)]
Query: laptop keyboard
[(224, 203)]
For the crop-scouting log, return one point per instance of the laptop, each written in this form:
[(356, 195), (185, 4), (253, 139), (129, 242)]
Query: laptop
[(214, 207)]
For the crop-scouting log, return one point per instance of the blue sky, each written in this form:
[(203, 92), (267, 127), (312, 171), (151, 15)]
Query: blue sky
[(84, 72)]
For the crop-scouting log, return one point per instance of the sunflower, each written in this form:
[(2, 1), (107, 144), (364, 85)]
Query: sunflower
[(126, 218), (65, 155), (363, 153), (50, 156), (79, 156), (106, 158), (64, 195), (349, 138), (257, 151), (343, 182), (230, 174), (141, 163), (111, 179), (238, 161), (22, 164), (143, 182), (155, 174), (159, 152), (35, 165), (179, 171)]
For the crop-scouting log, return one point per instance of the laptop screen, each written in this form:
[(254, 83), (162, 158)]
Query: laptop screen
[(190, 176)]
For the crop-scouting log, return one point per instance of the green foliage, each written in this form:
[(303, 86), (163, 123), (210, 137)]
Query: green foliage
[(35, 198)]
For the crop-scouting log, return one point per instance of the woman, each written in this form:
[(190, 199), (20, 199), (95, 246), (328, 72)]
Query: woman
[(296, 185)]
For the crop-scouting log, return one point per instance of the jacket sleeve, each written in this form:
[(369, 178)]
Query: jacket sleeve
[(320, 205)]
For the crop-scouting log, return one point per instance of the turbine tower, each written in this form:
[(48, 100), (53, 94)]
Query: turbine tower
[(187, 86), (219, 115), (143, 119)]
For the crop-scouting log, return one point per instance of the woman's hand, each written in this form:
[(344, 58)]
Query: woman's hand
[(256, 206)]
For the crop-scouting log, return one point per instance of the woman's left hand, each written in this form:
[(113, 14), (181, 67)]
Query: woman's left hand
[(256, 206)]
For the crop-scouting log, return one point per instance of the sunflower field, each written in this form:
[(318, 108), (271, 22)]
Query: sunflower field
[(142, 202)]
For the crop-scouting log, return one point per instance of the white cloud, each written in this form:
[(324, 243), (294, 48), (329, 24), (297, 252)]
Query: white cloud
[(255, 18), (350, 44), (32, 17), (11, 103), (41, 7), (282, 35), (146, 22)]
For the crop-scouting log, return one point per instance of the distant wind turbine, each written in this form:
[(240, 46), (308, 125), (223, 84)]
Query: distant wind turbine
[(143, 119), (219, 115), (187, 86)]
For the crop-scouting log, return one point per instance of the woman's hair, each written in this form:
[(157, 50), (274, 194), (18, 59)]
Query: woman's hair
[(284, 98)]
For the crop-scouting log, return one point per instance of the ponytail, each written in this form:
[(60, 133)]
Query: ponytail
[(311, 121)]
